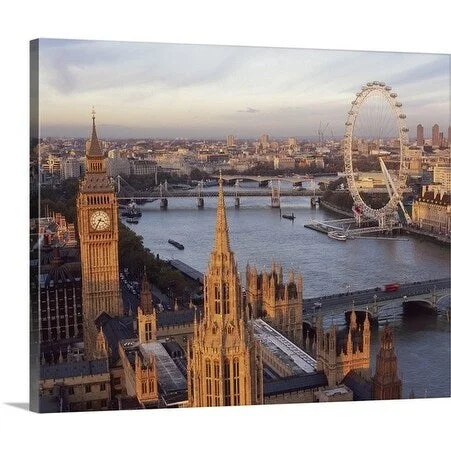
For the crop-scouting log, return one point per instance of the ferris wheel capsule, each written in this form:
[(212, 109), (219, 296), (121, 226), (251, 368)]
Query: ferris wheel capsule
[(388, 88), (402, 116), (398, 104), (393, 95)]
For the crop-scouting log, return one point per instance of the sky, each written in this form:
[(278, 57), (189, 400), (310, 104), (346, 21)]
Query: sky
[(145, 90)]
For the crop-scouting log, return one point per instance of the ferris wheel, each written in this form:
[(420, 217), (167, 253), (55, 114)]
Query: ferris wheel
[(375, 123)]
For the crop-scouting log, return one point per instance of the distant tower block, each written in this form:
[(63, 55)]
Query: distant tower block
[(435, 135), (420, 135), (275, 195), (230, 140)]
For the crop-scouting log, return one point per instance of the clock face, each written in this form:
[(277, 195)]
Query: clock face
[(100, 220)]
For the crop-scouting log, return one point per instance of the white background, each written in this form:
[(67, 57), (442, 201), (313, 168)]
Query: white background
[(378, 25)]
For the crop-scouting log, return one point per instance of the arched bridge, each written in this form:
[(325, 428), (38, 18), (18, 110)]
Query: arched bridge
[(127, 192)]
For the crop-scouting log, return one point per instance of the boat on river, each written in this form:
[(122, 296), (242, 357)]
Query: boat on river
[(176, 244), (132, 220), (132, 211), (337, 235), (290, 217)]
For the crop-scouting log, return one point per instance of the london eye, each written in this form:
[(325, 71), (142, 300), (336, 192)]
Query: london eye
[(376, 131)]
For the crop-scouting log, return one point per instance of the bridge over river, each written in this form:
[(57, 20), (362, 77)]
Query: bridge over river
[(429, 295)]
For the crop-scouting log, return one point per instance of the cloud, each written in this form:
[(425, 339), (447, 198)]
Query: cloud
[(248, 110)]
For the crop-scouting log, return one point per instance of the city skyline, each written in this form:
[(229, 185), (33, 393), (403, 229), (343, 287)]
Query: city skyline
[(148, 90)]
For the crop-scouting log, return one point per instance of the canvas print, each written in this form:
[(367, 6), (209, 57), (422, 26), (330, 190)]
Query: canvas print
[(228, 226)]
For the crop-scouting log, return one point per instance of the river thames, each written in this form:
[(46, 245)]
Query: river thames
[(259, 235)]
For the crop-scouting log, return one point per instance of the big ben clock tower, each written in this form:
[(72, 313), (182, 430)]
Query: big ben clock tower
[(98, 231)]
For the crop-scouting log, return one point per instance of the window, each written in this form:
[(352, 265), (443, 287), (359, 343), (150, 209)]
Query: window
[(236, 382), (103, 403), (88, 388), (227, 382), (117, 381), (217, 300), (144, 387), (71, 390), (225, 297), (217, 383), (208, 381), (102, 386), (89, 405), (148, 332)]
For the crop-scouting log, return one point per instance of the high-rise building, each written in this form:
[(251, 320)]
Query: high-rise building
[(264, 140), (420, 135), (449, 136), (435, 135), (60, 300), (224, 359), (98, 229), (386, 383), (230, 140), (71, 167)]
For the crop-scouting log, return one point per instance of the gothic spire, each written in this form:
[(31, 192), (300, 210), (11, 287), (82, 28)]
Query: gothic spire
[(94, 149), (146, 303), (353, 319), (221, 244)]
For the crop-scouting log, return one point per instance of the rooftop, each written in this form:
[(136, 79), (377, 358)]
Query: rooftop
[(187, 270), (168, 318), (73, 369), (360, 387), (170, 378), (291, 355), (294, 383), (115, 330)]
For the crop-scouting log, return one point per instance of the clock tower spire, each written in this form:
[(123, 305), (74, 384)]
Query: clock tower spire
[(98, 230)]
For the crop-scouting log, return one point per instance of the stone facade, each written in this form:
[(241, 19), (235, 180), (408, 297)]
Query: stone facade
[(432, 210), (224, 360), (98, 229), (338, 358), (386, 383), (278, 303)]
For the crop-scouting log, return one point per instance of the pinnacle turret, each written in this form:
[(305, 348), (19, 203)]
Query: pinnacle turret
[(221, 244)]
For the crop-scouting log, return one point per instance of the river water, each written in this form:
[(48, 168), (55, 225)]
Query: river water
[(258, 235)]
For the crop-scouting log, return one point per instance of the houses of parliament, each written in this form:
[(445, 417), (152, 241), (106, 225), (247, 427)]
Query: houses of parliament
[(241, 347)]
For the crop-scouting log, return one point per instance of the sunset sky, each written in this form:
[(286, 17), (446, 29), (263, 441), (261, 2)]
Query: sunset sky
[(144, 90)]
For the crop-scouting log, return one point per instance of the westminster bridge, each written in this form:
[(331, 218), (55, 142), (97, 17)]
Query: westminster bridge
[(430, 296)]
